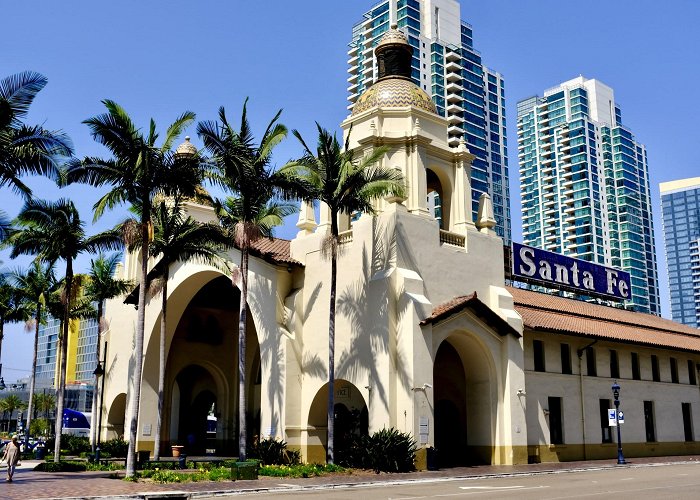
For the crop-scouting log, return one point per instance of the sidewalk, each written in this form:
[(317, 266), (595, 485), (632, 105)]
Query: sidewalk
[(29, 485)]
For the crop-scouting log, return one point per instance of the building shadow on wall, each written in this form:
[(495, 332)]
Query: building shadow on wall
[(372, 336)]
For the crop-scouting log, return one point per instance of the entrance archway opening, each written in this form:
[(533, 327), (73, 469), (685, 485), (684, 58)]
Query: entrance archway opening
[(351, 421), (463, 400), (196, 401), (201, 402), (116, 416)]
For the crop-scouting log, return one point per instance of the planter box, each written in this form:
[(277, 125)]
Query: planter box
[(244, 470)]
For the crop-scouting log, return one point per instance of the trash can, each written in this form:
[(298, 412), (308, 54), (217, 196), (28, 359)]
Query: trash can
[(182, 461), (39, 452), (245, 470), (431, 458)]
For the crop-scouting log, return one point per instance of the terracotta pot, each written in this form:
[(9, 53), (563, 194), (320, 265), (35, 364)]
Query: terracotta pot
[(177, 449)]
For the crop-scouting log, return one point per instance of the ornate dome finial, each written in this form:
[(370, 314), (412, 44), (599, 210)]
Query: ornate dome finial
[(186, 148)]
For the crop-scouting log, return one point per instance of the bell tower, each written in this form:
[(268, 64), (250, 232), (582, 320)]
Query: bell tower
[(395, 112)]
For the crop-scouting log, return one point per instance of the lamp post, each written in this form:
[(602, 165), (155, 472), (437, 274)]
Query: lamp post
[(616, 396), (100, 374)]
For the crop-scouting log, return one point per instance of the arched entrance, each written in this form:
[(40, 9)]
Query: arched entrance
[(464, 404), (115, 417), (201, 397), (351, 419), (195, 402)]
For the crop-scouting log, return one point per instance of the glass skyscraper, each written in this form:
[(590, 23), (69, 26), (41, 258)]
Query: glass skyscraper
[(445, 65), (585, 184), (680, 203), (81, 361)]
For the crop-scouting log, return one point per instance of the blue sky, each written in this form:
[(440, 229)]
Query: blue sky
[(159, 58)]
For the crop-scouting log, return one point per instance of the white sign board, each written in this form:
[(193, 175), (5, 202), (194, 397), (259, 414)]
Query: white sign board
[(424, 430), (612, 422), (621, 417)]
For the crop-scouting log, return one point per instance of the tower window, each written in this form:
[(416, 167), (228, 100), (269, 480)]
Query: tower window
[(692, 380), (674, 370), (614, 364), (591, 368), (538, 350), (655, 375), (636, 373), (566, 359)]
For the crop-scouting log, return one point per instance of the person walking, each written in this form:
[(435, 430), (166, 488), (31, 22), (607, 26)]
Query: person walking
[(11, 455)]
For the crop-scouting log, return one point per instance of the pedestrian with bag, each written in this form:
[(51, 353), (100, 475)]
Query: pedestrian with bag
[(11, 455)]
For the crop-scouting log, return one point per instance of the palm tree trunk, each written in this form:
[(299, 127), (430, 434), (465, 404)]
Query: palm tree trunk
[(95, 409), (135, 396), (2, 336), (30, 405), (61, 390), (161, 366), (330, 455), (242, 324)]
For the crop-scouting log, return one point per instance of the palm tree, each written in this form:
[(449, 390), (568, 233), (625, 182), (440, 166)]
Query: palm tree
[(26, 149), (243, 168), (44, 403), (33, 287), (12, 308), (137, 171), (101, 287), (176, 238), (53, 231), (11, 403), (345, 185)]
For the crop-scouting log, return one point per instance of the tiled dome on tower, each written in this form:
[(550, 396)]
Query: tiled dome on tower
[(394, 88), (186, 148)]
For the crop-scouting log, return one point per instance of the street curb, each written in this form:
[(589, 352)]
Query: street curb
[(185, 495)]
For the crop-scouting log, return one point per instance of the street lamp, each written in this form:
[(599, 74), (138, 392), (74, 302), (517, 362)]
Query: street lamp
[(100, 373), (616, 395)]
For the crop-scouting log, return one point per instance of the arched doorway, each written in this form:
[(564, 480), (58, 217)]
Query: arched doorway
[(116, 416), (201, 401), (463, 403), (351, 420), (194, 404), (450, 407)]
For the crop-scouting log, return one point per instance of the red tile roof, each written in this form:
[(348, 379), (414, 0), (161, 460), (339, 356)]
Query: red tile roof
[(454, 306), (274, 250), (544, 312)]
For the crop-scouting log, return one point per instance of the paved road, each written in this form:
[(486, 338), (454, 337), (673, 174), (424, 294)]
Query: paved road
[(681, 481), (661, 477)]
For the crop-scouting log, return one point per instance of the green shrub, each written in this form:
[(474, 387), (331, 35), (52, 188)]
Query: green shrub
[(74, 445), (299, 470), (61, 467), (39, 427), (273, 451), (392, 451), (387, 450), (115, 448)]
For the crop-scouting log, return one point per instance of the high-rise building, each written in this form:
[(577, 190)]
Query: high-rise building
[(585, 184), (446, 66), (81, 360), (680, 203)]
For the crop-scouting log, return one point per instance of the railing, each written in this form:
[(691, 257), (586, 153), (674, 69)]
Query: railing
[(454, 239), (345, 237)]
